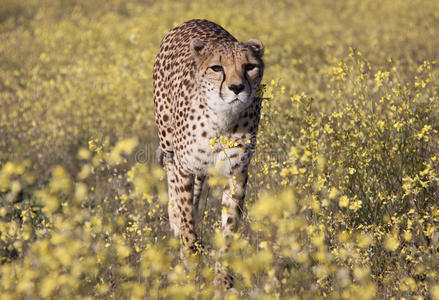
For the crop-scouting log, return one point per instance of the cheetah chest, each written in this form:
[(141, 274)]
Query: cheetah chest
[(227, 153), (226, 161)]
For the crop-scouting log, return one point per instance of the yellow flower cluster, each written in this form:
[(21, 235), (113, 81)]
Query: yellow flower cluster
[(342, 199), (223, 142)]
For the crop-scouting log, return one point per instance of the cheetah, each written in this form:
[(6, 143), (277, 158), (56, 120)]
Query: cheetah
[(205, 86)]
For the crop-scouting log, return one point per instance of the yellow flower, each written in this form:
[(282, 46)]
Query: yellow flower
[(343, 201), (391, 242)]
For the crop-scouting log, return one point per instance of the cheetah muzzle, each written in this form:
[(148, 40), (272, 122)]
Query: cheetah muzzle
[(205, 86)]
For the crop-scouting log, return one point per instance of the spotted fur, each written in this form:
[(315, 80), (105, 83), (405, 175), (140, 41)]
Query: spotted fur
[(205, 85)]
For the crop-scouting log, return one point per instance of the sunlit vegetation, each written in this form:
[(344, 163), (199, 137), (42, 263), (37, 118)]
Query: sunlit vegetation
[(343, 198)]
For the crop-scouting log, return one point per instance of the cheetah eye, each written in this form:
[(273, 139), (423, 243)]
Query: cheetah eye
[(249, 67), (217, 68)]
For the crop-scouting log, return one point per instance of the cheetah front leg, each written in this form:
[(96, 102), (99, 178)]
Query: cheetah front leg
[(232, 209), (180, 207)]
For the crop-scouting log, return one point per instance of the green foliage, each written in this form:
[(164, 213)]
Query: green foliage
[(343, 196)]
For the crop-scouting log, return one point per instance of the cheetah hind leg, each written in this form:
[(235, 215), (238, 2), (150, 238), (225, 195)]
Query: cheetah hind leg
[(163, 157), (160, 156), (173, 211), (198, 186)]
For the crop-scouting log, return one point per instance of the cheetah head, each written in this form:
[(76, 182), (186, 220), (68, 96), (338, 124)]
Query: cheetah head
[(228, 74)]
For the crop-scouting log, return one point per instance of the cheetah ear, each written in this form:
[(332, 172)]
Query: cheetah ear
[(197, 47), (257, 46)]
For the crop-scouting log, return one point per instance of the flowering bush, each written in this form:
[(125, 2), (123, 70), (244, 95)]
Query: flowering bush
[(343, 196)]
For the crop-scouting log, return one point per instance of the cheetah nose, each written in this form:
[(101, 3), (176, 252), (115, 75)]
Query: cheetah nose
[(236, 88)]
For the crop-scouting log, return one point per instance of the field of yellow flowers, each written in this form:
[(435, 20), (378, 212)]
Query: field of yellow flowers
[(343, 198)]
